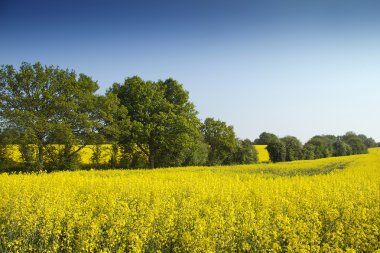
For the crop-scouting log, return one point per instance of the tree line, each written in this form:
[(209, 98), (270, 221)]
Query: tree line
[(152, 124), (51, 114), (289, 148)]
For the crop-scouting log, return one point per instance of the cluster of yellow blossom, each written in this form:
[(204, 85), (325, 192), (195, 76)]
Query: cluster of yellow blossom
[(262, 153), (326, 205), (85, 154)]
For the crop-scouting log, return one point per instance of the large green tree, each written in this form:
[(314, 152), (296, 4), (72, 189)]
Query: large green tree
[(46, 104), (221, 139), (164, 123)]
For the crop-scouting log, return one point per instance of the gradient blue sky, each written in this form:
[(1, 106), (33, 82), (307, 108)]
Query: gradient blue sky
[(291, 67)]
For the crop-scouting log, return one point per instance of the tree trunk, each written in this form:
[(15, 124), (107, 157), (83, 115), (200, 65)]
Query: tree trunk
[(40, 162)]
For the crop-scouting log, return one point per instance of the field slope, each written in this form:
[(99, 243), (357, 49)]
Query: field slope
[(326, 205)]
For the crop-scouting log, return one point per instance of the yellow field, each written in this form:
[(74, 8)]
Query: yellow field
[(262, 153), (326, 205)]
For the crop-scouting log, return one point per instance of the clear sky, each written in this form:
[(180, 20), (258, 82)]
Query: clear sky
[(291, 67)]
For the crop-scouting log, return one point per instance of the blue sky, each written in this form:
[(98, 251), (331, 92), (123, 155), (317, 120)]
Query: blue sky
[(290, 67)]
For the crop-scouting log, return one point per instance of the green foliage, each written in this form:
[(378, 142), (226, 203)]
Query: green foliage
[(27, 152), (308, 151), (293, 148), (164, 124), (356, 143), (197, 154), (132, 157), (45, 104), (277, 151), (244, 153), (341, 148), (96, 156), (322, 145), (266, 138), (5, 162), (3, 153), (221, 139), (369, 142), (114, 159), (61, 157)]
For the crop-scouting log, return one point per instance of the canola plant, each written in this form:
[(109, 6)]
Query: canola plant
[(262, 153), (326, 205)]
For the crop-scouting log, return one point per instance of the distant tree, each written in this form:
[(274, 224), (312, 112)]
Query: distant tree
[(164, 123), (356, 143), (266, 138), (369, 142), (293, 148), (244, 153), (277, 151), (50, 105), (221, 139), (322, 145), (341, 148), (308, 151)]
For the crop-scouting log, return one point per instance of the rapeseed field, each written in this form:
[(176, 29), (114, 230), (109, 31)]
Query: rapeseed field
[(326, 205), (85, 154), (262, 153)]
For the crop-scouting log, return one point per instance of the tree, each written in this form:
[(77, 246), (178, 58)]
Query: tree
[(356, 143), (369, 142), (308, 151), (45, 105), (277, 151), (266, 138), (244, 153), (341, 148), (221, 139), (322, 145), (164, 123), (293, 148)]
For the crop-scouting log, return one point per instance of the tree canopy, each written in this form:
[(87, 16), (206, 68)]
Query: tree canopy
[(293, 148), (164, 123), (221, 139), (45, 105), (266, 138)]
